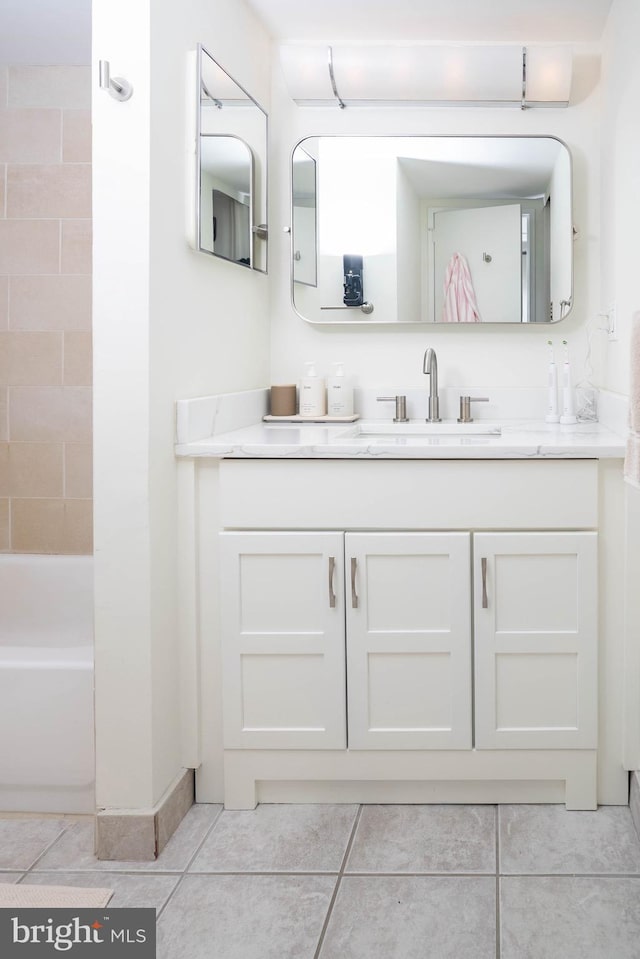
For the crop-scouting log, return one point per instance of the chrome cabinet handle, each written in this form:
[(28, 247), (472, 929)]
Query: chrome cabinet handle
[(485, 599), (332, 595), (354, 595)]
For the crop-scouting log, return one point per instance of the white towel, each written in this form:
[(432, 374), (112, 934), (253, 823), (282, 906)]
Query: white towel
[(632, 458), (460, 304)]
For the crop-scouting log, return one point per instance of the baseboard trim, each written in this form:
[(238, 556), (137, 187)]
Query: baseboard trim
[(140, 835)]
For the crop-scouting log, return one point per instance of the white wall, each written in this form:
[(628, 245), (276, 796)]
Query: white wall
[(620, 183), (169, 323), (481, 356)]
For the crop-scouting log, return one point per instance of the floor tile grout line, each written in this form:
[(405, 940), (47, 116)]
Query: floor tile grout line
[(570, 875), (352, 875), (359, 874), (106, 872), (498, 919), (204, 839), (388, 874), (336, 888), (42, 854), (185, 871), (268, 872)]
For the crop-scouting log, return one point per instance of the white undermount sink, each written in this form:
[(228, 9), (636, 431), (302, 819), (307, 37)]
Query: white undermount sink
[(421, 428)]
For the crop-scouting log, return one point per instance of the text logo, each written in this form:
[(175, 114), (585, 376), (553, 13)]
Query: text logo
[(37, 933)]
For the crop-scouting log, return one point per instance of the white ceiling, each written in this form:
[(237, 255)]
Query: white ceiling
[(45, 31), (59, 31), (427, 21)]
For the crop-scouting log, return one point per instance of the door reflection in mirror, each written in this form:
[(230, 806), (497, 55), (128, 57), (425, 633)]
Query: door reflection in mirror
[(226, 176)]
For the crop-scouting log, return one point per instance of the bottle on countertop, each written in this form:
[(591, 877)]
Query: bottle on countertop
[(313, 396), (552, 385), (339, 392), (568, 416)]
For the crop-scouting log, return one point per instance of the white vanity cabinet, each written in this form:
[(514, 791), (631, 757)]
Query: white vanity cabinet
[(401, 623), (408, 641), (536, 644), (424, 631), (283, 662), (397, 609)]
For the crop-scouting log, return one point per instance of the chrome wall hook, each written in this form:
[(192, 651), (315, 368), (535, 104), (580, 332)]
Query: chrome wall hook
[(118, 87)]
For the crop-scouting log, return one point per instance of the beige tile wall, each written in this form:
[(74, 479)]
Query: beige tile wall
[(45, 310)]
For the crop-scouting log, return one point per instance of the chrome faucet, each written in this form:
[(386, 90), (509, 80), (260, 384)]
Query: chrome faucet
[(430, 366)]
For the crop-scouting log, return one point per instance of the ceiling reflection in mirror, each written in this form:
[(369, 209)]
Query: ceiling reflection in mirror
[(432, 229), (232, 169)]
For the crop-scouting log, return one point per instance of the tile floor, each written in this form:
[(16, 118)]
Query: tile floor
[(370, 882)]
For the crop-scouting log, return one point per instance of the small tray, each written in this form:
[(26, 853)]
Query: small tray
[(297, 418)]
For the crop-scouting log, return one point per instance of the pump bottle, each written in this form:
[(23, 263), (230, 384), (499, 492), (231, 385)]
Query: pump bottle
[(339, 392), (313, 399)]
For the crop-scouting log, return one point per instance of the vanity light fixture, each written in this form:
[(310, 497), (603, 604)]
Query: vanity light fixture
[(437, 75)]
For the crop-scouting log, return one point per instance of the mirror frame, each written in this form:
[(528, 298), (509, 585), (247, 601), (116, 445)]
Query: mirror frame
[(364, 318), (258, 229)]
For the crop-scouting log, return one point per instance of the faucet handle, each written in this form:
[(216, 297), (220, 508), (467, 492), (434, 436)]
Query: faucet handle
[(465, 407), (401, 407)]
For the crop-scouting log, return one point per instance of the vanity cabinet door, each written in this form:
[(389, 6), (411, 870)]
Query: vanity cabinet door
[(408, 600), (283, 640), (536, 617)]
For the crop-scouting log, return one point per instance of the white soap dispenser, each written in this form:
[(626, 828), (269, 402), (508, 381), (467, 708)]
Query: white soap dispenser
[(339, 392), (313, 397)]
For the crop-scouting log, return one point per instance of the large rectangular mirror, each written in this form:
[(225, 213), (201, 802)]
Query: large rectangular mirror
[(441, 229), (231, 203)]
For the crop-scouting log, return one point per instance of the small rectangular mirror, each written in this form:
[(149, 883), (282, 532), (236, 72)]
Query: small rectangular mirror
[(231, 205)]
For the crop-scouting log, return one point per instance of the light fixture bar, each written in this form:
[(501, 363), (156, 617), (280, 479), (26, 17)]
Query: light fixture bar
[(341, 103), (433, 75)]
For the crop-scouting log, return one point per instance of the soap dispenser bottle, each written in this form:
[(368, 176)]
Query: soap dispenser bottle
[(313, 398), (339, 392)]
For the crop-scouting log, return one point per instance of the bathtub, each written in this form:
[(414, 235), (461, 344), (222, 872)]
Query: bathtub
[(46, 684)]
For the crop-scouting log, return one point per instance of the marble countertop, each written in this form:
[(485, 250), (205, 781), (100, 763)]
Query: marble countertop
[(380, 439)]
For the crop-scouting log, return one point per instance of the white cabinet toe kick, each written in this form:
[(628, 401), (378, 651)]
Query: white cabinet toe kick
[(518, 776)]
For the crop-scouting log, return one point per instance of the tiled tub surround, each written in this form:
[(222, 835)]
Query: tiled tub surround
[(45, 310), (386, 882)]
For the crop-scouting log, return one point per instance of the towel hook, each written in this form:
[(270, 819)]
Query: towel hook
[(118, 87), (487, 257)]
